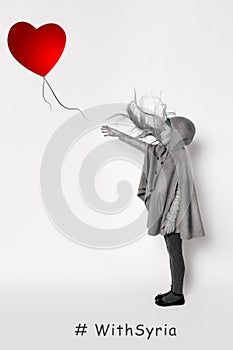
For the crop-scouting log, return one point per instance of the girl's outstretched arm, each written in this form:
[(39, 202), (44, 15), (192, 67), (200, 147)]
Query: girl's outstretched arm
[(107, 131), (141, 145)]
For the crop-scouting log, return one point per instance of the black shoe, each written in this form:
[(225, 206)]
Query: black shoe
[(180, 301), (159, 296)]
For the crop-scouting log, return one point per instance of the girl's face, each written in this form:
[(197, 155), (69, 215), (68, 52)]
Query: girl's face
[(165, 134)]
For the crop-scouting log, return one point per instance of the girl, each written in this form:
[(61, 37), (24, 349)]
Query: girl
[(166, 186)]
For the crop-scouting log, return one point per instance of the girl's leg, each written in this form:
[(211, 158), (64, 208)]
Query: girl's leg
[(174, 247), (177, 267)]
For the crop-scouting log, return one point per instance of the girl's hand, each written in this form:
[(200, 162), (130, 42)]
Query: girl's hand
[(169, 226), (107, 131)]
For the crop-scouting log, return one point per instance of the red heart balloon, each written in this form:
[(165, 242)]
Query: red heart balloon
[(36, 49)]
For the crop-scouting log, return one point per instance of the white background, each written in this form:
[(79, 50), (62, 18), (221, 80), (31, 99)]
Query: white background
[(48, 283)]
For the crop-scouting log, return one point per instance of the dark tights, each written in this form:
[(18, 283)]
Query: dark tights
[(177, 267)]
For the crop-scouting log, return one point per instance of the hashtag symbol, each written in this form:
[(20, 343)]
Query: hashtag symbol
[(81, 329)]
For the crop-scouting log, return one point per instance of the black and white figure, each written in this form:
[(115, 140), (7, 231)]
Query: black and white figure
[(166, 185)]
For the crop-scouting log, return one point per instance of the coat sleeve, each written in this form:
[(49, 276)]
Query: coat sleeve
[(141, 145), (144, 174)]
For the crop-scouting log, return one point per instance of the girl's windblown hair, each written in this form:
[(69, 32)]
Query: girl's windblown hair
[(148, 122)]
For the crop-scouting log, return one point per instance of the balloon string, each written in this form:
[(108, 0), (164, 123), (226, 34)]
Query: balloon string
[(69, 108), (43, 95)]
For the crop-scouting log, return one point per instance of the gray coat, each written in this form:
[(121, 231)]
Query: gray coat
[(164, 169)]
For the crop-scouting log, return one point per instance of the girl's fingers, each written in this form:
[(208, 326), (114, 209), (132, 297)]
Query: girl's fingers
[(107, 131)]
